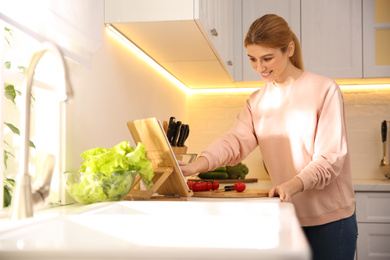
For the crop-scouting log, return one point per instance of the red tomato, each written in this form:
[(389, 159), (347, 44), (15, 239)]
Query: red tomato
[(239, 186), (189, 184), (209, 186), (215, 185), (196, 186), (204, 185)]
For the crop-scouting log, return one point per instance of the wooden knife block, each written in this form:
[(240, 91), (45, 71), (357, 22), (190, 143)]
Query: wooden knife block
[(178, 151)]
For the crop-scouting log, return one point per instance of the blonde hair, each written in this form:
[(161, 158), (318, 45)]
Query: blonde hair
[(273, 31)]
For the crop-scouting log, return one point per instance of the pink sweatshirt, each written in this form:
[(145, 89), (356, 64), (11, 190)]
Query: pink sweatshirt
[(301, 131)]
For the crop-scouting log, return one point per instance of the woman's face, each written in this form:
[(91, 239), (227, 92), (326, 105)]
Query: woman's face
[(270, 63)]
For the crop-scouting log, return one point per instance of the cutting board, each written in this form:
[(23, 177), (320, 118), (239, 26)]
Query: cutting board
[(231, 194), (248, 180)]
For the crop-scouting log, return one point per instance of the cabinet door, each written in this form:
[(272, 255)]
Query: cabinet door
[(373, 207), (376, 38), (253, 9), (216, 17), (373, 241), (332, 37), (224, 25)]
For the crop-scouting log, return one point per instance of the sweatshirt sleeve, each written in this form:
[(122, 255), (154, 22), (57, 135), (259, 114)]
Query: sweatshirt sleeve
[(234, 145), (330, 144)]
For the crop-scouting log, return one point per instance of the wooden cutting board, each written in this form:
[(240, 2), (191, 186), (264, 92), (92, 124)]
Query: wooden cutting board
[(248, 180), (231, 194)]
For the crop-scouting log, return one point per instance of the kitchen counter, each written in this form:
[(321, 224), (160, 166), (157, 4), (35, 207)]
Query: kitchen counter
[(200, 228), (372, 185)]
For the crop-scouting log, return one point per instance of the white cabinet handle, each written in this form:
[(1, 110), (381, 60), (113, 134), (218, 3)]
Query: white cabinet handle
[(229, 62)]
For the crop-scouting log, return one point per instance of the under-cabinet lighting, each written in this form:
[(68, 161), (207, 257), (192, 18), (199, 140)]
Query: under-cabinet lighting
[(145, 57), (364, 87), (223, 90)]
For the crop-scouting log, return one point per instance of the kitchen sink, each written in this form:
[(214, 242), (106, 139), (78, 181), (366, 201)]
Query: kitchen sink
[(157, 230)]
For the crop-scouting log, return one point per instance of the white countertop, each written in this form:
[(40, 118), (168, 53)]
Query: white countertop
[(372, 185)]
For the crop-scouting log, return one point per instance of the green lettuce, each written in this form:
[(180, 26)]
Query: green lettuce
[(108, 173), (121, 157)]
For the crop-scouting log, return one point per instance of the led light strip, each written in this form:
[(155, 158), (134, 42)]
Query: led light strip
[(114, 32), (364, 87), (146, 58)]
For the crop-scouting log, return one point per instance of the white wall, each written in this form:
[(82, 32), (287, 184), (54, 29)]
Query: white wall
[(118, 88)]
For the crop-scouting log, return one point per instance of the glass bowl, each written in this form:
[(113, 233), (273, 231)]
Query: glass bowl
[(87, 188)]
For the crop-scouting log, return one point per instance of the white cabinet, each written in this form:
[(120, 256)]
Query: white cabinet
[(253, 9), (376, 38), (201, 41), (373, 217), (176, 34), (340, 39), (216, 17), (332, 37)]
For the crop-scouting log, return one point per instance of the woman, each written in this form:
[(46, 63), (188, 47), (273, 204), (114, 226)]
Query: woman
[(297, 119)]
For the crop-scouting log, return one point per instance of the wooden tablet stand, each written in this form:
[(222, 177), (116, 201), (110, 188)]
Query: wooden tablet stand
[(168, 178)]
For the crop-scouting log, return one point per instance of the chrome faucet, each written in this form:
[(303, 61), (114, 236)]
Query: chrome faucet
[(22, 200)]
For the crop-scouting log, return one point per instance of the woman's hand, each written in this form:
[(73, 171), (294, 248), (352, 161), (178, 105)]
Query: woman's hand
[(287, 189), (200, 165)]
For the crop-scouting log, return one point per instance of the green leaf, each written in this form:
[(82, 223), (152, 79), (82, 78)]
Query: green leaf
[(7, 65), (13, 128), (6, 153), (10, 182), (7, 143), (10, 33), (22, 69), (10, 92), (7, 197)]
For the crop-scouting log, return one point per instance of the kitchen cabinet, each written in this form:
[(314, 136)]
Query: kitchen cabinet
[(376, 38), (253, 9), (216, 17), (340, 39), (192, 39), (200, 42), (332, 37), (373, 217)]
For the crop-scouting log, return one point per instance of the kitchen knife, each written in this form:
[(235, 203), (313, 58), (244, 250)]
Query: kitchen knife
[(186, 133), (181, 135), (171, 128), (176, 133)]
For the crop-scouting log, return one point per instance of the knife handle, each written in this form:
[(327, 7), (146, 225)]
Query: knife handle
[(187, 132), (176, 133), (181, 135), (384, 131), (171, 129)]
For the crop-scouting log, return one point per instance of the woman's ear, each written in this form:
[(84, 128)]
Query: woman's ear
[(291, 49)]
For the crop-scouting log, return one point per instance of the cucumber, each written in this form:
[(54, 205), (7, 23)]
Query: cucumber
[(213, 175), (220, 169)]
